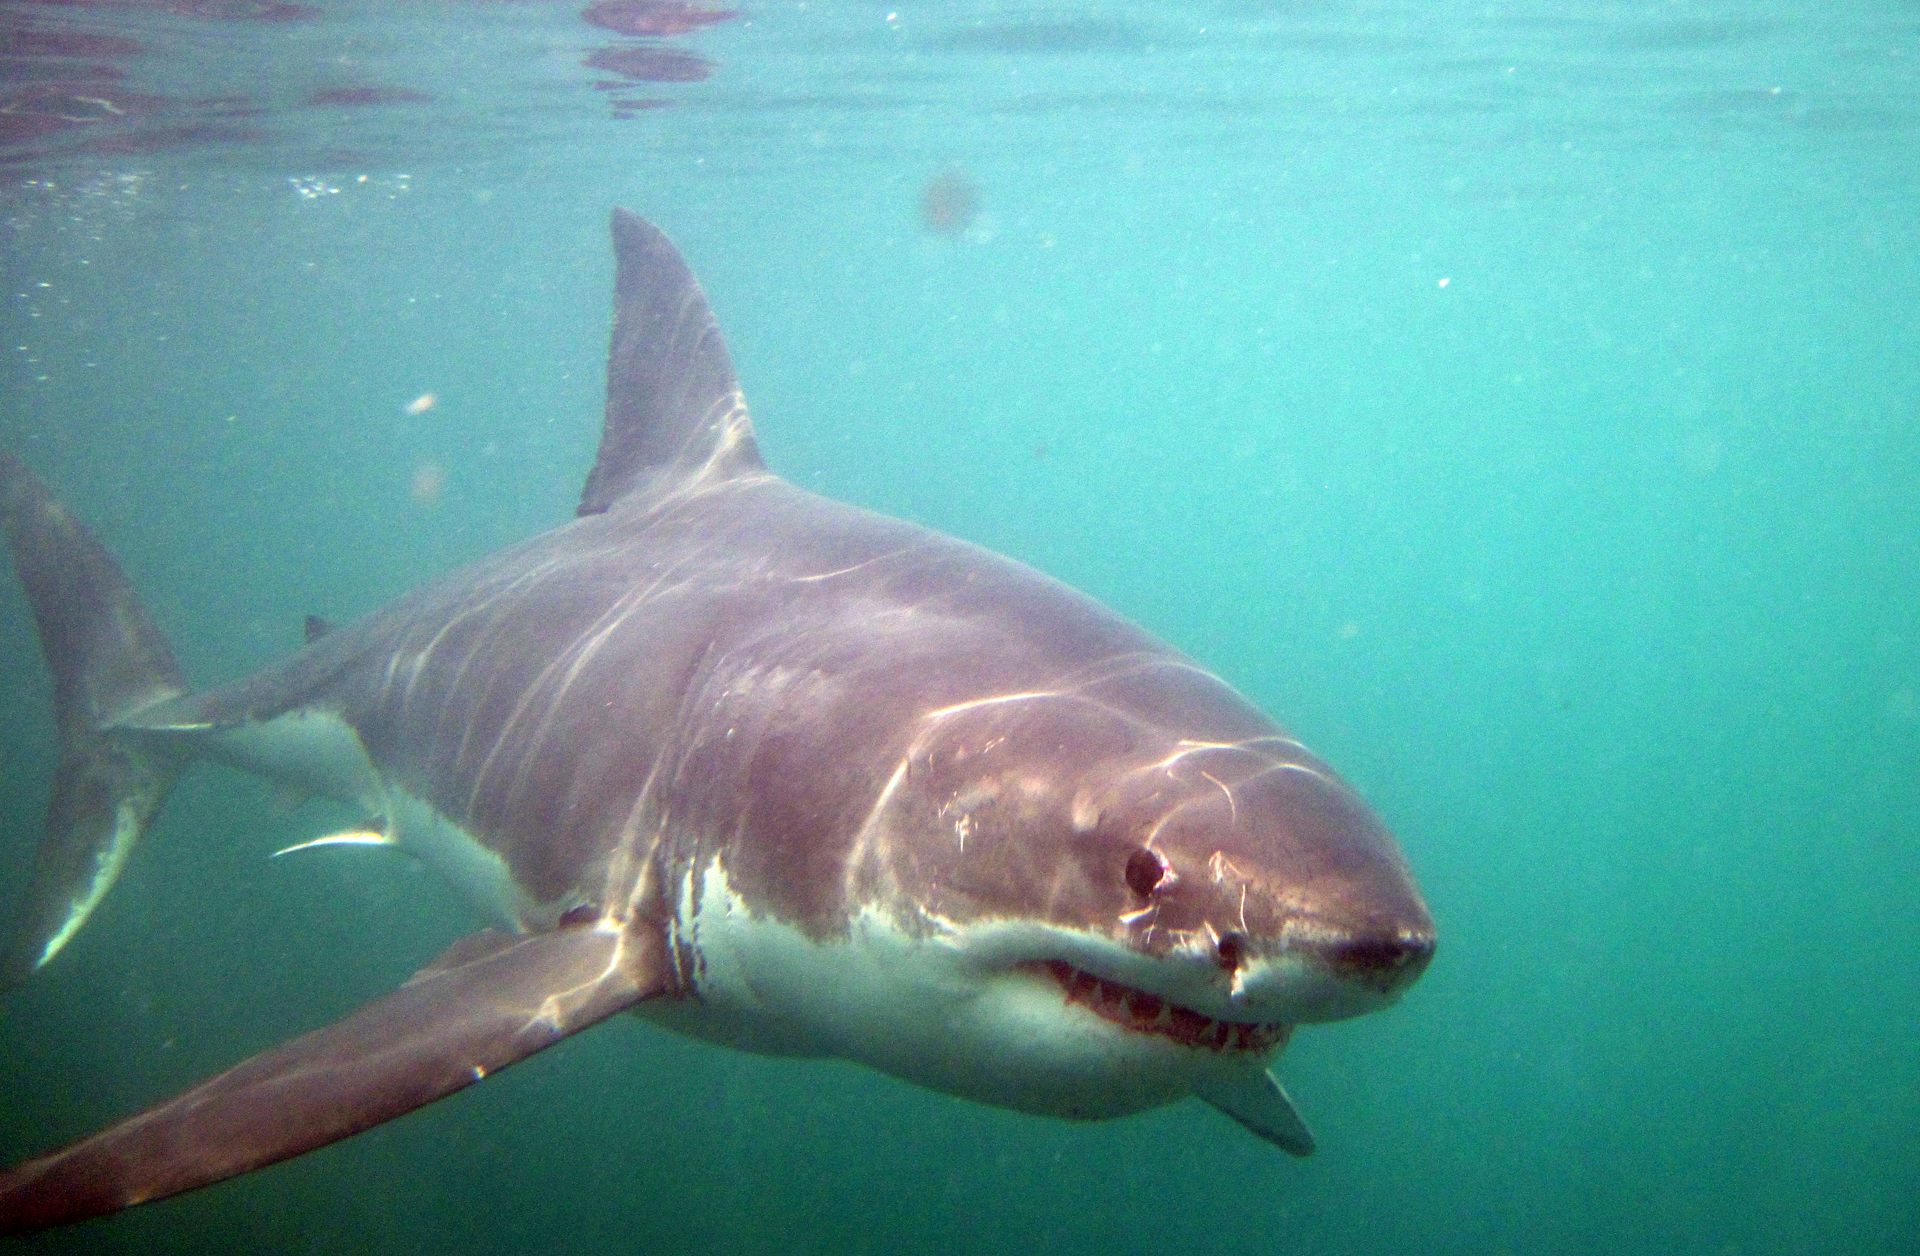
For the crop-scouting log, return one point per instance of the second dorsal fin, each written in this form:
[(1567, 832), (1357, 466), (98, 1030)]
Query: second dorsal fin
[(674, 407)]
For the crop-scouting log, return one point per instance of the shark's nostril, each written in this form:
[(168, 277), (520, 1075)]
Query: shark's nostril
[(1231, 950), (1381, 954)]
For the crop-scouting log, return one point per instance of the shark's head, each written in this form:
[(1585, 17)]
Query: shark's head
[(1140, 883), (988, 837)]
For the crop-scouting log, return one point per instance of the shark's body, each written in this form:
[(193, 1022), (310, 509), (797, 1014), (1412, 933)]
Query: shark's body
[(762, 766)]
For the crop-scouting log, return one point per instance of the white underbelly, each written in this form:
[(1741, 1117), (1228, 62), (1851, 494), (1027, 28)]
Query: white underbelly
[(910, 1004)]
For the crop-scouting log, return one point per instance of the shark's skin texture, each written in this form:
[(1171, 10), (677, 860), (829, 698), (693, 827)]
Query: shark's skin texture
[(761, 766)]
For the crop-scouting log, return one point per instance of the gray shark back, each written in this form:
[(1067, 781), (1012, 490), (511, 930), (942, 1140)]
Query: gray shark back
[(683, 652)]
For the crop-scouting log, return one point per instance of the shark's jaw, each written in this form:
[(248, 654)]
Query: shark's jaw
[(1142, 1012), (1009, 1013)]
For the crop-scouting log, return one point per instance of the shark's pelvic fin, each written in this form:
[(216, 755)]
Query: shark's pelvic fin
[(490, 1001), (1258, 1101), (108, 662), (674, 408), (352, 837)]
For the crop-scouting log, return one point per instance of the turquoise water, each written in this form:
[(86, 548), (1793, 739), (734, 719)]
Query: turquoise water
[(1522, 408)]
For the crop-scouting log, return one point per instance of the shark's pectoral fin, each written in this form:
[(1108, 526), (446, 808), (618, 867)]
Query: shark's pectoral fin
[(1257, 1101), (489, 1001)]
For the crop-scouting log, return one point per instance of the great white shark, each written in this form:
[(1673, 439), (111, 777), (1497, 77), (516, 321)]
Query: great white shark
[(759, 766)]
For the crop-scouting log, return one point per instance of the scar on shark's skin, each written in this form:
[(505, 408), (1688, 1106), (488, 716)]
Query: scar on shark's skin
[(760, 767)]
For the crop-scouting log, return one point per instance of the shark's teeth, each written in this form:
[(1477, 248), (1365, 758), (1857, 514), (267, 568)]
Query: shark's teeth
[(1148, 1013)]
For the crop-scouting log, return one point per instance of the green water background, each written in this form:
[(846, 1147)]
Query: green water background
[(1521, 408)]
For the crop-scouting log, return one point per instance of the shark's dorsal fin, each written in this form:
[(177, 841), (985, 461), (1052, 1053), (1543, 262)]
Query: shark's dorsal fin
[(674, 408)]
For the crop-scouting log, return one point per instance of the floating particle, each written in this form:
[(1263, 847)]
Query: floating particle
[(429, 482), (949, 204), (423, 403)]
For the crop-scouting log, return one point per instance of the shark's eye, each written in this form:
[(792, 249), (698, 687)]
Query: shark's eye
[(1145, 871), (1232, 950)]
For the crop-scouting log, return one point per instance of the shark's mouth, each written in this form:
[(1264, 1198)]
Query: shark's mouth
[(1147, 1013)]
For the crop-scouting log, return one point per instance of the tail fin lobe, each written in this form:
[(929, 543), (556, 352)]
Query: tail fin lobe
[(108, 662)]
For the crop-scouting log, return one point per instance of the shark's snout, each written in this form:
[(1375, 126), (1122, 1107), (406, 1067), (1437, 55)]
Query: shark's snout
[(1386, 962), (1322, 972), (1277, 874), (1337, 976), (1365, 928)]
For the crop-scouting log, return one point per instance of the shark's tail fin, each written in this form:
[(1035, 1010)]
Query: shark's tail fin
[(108, 661)]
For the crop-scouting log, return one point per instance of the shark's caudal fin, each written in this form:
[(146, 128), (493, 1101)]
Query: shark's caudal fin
[(489, 1001), (674, 408), (108, 662)]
